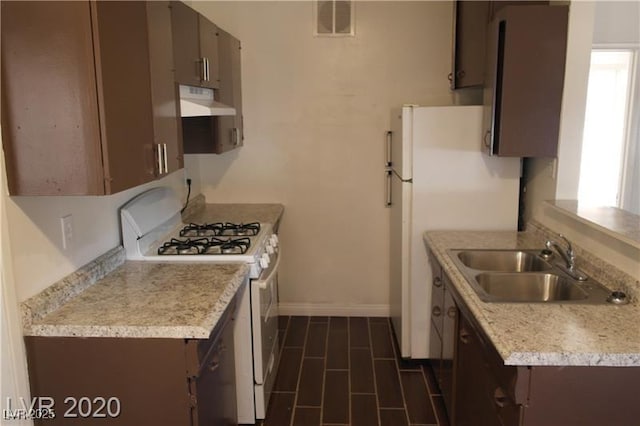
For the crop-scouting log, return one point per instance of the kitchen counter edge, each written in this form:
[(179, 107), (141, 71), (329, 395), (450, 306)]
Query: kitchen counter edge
[(512, 339), (41, 313)]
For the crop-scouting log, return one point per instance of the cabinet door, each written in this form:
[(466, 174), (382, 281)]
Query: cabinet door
[(449, 337), (474, 405), (124, 93), (215, 385), (50, 126), (208, 34), (166, 139), (526, 50), (230, 133), (186, 44), (497, 5), (471, 19)]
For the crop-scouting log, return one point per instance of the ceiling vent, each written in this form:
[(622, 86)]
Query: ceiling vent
[(334, 18)]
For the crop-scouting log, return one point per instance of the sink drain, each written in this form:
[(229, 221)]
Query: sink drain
[(618, 298)]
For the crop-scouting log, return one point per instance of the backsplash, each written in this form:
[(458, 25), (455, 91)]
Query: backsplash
[(606, 273)]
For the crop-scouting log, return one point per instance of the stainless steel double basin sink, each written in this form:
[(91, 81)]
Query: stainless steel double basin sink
[(523, 276)]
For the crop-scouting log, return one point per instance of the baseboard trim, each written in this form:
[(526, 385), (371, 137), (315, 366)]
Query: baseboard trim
[(333, 310)]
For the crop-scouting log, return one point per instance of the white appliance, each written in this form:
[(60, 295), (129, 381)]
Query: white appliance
[(438, 179), (200, 102), (152, 229)]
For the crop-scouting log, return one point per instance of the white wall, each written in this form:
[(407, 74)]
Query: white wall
[(617, 22), (558, 179), (316, 112), (14, 382), (36, 235)]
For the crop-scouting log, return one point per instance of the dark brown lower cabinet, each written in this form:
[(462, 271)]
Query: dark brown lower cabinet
[(486, 392), (136, 381)]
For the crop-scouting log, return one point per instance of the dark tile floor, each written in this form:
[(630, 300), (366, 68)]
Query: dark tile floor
[(345, 371)]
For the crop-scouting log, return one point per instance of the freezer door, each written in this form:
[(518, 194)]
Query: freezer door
[(400, 244), (401, 141)]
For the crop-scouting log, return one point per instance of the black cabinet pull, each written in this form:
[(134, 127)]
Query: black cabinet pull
[(500, 398), (464, 336)]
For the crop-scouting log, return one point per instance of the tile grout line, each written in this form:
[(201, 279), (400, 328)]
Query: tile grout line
[(404, 400), (373, 370), (304, 348), (280, 351), (324, 373), (433, 405), (349, 369)]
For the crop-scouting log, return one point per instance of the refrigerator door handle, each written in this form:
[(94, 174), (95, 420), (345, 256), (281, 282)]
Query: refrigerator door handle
[(388, 200), (389, 163)]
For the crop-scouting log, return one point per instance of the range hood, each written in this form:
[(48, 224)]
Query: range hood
[(200, 102)]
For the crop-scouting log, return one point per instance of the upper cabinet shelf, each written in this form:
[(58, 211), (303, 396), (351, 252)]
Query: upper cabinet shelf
[(88, 96)]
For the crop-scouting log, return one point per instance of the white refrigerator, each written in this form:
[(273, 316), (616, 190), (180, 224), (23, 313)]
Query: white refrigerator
[(438, 179)]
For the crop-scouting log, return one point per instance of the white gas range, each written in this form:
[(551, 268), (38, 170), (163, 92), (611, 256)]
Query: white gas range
[(152, 230)]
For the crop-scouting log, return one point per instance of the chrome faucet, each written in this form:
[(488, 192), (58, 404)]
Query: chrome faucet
[(568, 256)]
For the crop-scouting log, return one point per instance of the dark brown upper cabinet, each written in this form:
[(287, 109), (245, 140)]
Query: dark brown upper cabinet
[(167, 134), (497, 5), (81, 114), (230, 130), (195, 47), (470, 20), (526, 49), (218, 134), (469, 39)]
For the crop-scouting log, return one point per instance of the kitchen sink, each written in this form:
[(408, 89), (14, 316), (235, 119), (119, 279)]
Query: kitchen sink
[(527, 287), (503, 260), (523, 276)]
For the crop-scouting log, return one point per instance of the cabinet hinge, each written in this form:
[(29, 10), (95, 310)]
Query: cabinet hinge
[(193, 401)]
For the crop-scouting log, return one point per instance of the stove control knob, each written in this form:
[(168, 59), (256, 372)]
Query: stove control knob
[(265, 260), (270, 248), (274, 240)]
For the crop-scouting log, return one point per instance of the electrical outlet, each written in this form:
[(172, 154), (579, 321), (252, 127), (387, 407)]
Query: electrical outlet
[(66, 222)]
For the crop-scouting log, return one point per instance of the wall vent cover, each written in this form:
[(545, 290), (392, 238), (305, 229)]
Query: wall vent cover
[(334, 18)]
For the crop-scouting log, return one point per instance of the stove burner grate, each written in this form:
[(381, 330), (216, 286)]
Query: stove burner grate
[(241, 229), (197, 230), (209, 246)]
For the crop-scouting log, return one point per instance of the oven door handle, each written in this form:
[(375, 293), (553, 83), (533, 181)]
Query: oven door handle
[(263, 282)]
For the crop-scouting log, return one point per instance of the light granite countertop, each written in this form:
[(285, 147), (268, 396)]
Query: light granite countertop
[(537, 334), (146, 299)]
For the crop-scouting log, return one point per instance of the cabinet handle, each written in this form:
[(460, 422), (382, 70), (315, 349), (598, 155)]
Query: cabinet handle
[(388, 198), (450, 77), (159, 159), (235, 136), (436, 311), (437, 282), (487, 139), (215, 363), (207, 69), (164, 153), (388, 163), (452, 312), (464, 336), (500, 397), (203, 69)]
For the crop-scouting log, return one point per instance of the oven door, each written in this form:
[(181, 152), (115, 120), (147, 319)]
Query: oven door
[(264, 318)]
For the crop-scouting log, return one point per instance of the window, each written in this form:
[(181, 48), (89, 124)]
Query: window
[(609, 139)]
